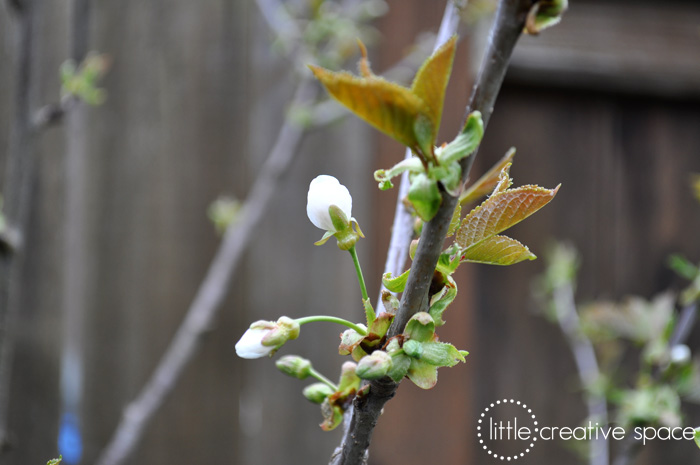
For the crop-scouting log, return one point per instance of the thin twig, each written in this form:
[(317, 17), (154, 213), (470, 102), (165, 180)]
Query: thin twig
[(507, 27), (402, 228), (684, 325), (586, 364), (211, 292), (53, 113)]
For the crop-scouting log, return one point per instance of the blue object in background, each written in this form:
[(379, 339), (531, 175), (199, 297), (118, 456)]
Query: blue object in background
[(70, 443)]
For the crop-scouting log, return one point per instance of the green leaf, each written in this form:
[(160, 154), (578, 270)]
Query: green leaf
[(420, 327), (487, 183), (400, 363), (369, 312), (697, 437), (501, 211), (431, 80), (450, 175), (498, 250), (422, 374), (379, 327), (465, 143), (332, 415), (391, 303), (413, 348), (448, 262), (349, 339), (349, 382), (55, 461), (424, 195), (544, 14), (683, 267), (440, 301), (327, 235), (397, 284), (384, 177), (441, 354)]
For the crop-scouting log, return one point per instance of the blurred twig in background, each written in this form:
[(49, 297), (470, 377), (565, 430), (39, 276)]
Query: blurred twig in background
[(310, 114), (666, 373), (26, 126), (559, 281)]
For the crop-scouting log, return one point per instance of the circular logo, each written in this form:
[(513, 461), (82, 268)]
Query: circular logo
[(507, 429)]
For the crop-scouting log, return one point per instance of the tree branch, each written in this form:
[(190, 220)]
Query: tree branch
[(586, 364), (211, 292), (402, 227), (508, 25), (53, 113)]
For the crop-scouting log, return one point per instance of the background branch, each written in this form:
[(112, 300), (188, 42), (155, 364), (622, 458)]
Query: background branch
[(586, 364), (53, 113), (211, 292), (402, 227), (507, 27), (215, 285)]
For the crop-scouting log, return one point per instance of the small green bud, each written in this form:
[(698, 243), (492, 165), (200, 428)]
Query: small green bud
[(413, 348), (338, 218), (345, 234), (317, 392), (412, 248), (348, 377), (393, 346), (374, 366), (420, 327), (424, 196), (295, 366)]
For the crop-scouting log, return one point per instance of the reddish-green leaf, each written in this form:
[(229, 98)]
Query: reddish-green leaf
[(389, 107), (501, 211), (431, 81), (498, 250), (486, 183), (411, 116)]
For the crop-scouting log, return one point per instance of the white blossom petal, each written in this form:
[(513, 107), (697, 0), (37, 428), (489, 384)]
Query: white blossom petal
[(250, 344), (325, 191), (680, 354)]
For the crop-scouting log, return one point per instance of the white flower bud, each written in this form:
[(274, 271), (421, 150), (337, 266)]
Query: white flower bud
[(265, 337), (325, 191), (250, 345)]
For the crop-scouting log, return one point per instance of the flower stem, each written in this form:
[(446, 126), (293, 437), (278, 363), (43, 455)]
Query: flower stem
[(358, 269), (332, 319), (323, 379)]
